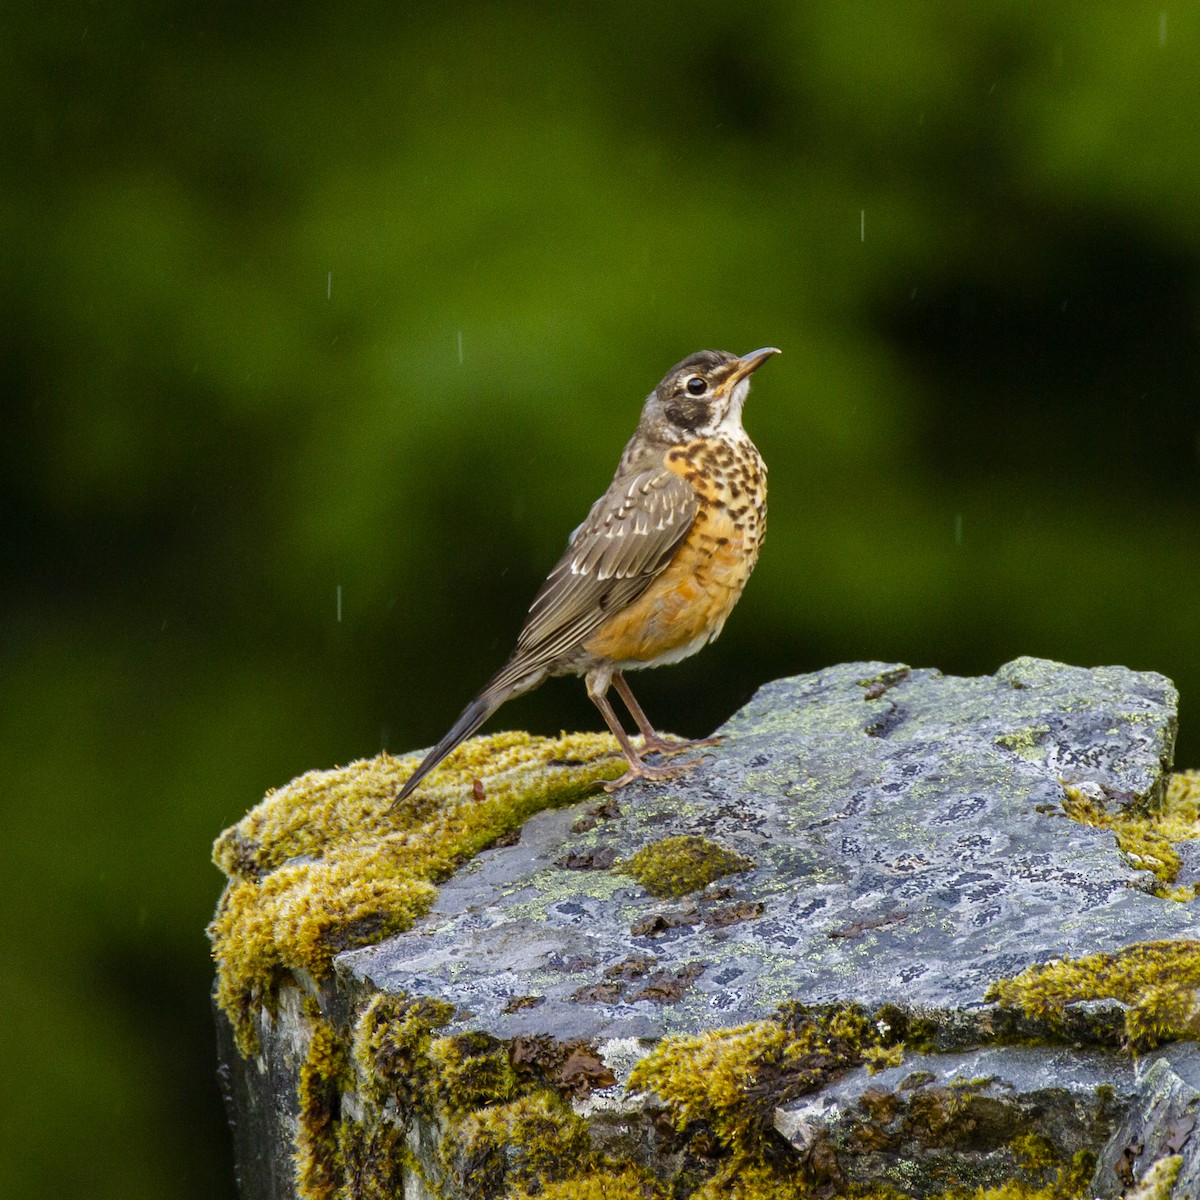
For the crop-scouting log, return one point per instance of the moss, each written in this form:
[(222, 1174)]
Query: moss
[(879, 1058), (678, 865), (500, 1127), (1159, 1181), (707, 1077), (1068, 1181), (1157, 981), (373, 1160), (628, 1184), (1034, 1152), (321, 865), (1147, 837), (391, 1048), (754, 1181), (525, 1143), (724, 1086), (323, 1075), (471, 1069)]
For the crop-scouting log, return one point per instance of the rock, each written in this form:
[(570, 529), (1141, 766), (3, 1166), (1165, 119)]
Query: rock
[(885, 846), (1159, 1125), (979, 1117)]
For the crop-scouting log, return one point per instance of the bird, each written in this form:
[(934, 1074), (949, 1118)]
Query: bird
[(654, 570)]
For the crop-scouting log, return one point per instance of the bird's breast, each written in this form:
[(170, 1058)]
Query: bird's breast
[(688, 603)]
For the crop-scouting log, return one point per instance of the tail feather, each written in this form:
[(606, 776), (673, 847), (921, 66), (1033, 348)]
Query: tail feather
[(504, 686)]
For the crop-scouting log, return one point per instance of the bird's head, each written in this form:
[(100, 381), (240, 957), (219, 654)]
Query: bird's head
[(702, 396)]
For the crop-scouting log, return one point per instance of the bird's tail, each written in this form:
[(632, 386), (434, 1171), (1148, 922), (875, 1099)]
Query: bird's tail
[(511, 680)]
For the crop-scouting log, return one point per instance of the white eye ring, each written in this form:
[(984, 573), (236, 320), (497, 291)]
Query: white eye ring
[(693, 389)]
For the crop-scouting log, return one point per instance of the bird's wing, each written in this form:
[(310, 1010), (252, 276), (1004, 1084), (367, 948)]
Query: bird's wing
[(628, 538)]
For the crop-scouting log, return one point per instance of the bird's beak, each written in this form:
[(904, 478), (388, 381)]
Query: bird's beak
[(749, 363)]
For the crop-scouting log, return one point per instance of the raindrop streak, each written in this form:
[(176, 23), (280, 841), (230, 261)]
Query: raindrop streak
[(339, 603), (329, 286), (958, 529), (862, 224), (460, 347), (1162, 28)]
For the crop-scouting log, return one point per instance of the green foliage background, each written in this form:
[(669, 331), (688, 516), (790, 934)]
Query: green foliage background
[(303, 298)]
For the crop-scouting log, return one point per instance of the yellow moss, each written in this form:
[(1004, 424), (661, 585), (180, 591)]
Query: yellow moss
[(728, 1082), (678, 865), (1148, 837), (391, 1048), (1158, 981), (754, 1181), (374, 1160), (706, 1077), (1159, 1182), (526, 1143), (1034, 1152), (322, 1077), (879, 1058), (628, 1184), (321, 866), (471, 1069), (1070, 1182), (1024, 742)]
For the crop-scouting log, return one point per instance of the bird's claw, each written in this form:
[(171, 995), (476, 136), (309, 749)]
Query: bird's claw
[(651, 772), (669, 747)]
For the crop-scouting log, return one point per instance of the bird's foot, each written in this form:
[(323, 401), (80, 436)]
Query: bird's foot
[(651, 772), (667, 746)]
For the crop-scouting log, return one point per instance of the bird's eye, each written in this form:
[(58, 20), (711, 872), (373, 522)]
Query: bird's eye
[(697, 386)]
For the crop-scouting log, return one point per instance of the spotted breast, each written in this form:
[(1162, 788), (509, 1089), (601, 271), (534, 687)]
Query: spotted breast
[(688, 604)]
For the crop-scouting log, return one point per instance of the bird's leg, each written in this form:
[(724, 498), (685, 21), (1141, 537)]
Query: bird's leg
[(597, 688), (652, 740)]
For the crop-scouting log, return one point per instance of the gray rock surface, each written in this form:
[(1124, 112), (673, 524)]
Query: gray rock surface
[(909, 839)]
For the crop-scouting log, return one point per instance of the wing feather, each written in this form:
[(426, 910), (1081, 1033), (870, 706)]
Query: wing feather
[(627, 539)]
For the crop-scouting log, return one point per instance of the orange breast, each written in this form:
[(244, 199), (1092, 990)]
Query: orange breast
[(687, 605)]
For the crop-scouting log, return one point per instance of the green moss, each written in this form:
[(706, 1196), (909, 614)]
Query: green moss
[(708, 1077), (678, 865), (513, 1133), (501, 1129), (1069, 1182), (1157, 981), (373, 1158), (755, 1181), (321, 865), (1147, 837)]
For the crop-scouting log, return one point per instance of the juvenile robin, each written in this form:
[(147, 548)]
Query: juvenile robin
[(654, 571)]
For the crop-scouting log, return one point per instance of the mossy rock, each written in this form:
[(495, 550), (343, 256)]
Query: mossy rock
[(511, 987)]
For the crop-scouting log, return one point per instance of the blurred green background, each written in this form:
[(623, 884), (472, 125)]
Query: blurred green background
[(302, 302)]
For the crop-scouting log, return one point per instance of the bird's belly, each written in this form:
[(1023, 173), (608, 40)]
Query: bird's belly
[(687, 605)]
